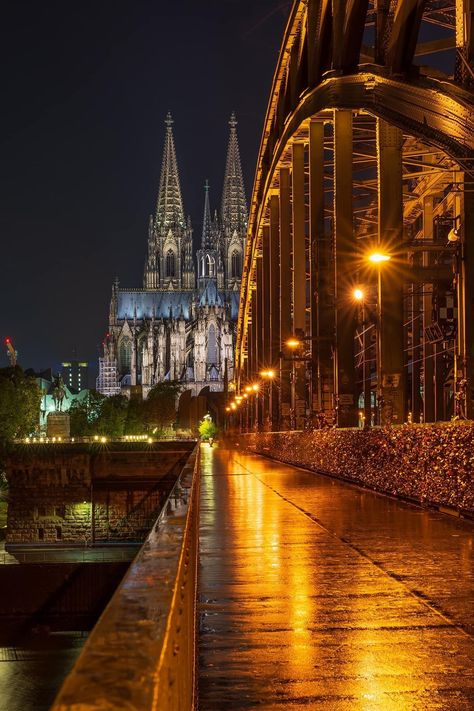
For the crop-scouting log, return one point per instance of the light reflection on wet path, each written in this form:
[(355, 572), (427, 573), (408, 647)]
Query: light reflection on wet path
[(320, 595)]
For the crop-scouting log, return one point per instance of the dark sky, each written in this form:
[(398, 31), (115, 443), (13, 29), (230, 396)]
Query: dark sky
[(85, 89)]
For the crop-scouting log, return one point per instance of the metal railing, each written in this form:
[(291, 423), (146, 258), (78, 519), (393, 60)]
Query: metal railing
[(146, 637)]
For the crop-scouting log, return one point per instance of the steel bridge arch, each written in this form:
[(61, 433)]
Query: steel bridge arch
[(324, 66)]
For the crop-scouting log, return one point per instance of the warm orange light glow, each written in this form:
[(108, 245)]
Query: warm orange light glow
[(238, 398), (378, 257), (246, 394), (233, 406), (293, 343), (268, 374), (227, 409), (255, 387), (248, 388), (358, 294)]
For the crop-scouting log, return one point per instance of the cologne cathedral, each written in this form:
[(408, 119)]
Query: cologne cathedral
[(180, 325)]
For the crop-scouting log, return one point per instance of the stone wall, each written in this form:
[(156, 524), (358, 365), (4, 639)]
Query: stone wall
[(431, 464), (68, 495)]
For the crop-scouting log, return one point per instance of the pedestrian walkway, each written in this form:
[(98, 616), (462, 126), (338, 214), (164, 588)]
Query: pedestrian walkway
[(317, 594)]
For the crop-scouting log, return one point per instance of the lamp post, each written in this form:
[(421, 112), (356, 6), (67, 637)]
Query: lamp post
[(255, 389), (268, 376), (360, 296), (378, 259), (294, 344)]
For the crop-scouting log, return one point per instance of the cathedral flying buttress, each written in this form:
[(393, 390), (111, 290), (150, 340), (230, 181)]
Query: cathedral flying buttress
[(180, 325)]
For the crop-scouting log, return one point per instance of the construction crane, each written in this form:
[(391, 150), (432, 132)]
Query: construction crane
[(11, 352)]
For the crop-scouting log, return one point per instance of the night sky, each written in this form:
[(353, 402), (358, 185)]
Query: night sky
[(85, 90)]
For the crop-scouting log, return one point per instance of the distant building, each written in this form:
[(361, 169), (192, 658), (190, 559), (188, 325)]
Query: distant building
[(75, 374), (181, 324)]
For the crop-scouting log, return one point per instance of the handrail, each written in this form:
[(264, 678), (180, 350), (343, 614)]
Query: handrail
[(141, 654)]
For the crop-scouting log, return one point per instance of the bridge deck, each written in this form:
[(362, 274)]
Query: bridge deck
[(321, 595)]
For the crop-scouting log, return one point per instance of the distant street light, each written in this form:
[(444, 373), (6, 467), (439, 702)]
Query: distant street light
[(358, 294)]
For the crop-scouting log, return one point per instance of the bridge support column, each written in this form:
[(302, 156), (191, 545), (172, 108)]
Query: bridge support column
[(344, 371), (266, 316), (251, 357), (274, 315), (285, 293), (466, 302), (392, 377), (321, 303), (416, 342), (428, 349), (260, 337), (298, 386)]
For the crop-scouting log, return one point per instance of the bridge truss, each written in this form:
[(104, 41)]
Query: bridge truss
[(367, 147)]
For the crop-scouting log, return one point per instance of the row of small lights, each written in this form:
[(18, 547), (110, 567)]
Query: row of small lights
[(249, 390), (97, 438), (58, 440)]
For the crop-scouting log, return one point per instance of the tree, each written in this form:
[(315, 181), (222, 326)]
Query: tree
[(207, 428), (20, 399), (160, 405), (85, 414), (79, 424), (135, 421), (113, 416)]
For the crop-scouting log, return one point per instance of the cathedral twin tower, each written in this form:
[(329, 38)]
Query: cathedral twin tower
[(181, 325), (170, 263)]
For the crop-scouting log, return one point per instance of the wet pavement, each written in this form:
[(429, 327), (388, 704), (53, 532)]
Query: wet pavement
[(317, 594)]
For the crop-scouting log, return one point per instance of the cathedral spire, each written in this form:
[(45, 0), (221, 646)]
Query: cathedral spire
[(206, 223), (234, 207), (169, 206)]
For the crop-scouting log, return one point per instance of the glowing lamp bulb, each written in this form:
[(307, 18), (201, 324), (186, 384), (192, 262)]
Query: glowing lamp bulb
[(378, 258), (358, 294)]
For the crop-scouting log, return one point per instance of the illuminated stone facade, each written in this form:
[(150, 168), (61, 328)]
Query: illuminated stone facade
[(180, 325)]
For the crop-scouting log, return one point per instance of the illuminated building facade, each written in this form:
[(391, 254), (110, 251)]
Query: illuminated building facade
[(75, 374), (180, 325)]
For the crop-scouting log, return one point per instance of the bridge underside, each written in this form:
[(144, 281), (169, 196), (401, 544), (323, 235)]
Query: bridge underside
[(367, 148)]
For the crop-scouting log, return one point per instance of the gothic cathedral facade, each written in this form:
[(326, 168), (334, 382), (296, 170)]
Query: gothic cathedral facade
[(181, 325)]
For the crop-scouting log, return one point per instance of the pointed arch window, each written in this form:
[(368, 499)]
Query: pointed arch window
[(236, 264), (210, 266), (211, 345), (125, 355), (170, 264)]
